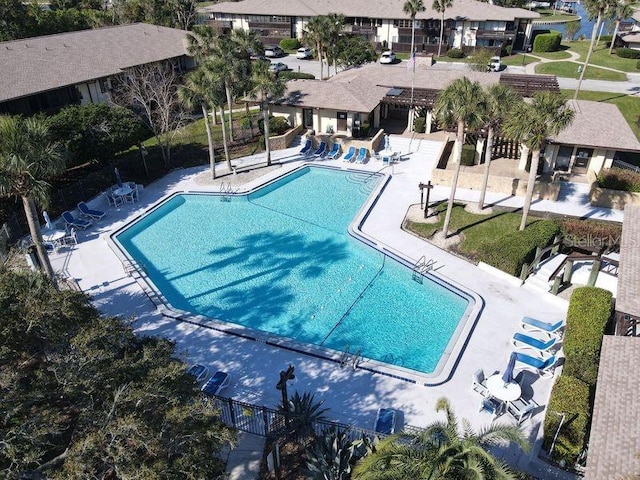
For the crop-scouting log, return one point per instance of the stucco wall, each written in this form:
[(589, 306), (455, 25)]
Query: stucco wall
[(603, 197)]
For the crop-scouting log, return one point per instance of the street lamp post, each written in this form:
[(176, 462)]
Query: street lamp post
[(282, 386)]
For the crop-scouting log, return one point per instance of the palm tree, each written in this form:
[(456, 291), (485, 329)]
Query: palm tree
[(546, 115), (622, 10), (28, 159), (215, 70), (440, 6), (444, 450), (500, 100), (246, 43), (596, 9), (196, 91), (463, 102), (230, 71), (314, 34), (412, 7), (334, 24), (266, 87)]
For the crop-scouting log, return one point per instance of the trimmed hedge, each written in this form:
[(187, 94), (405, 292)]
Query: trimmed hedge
[(455, 53), (628, 53), (570, 397), (590, 234), (277, 126), (589, 312), (547, 42), (289, 75), (509, 252), (468, 155), (620, 179), (289, 44)]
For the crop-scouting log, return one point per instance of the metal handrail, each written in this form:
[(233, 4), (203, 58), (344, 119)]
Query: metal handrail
[(534, 264)]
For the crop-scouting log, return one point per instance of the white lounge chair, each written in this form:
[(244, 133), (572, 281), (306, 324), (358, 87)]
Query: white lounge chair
[(533, 324), (218, 382), (520, 340)]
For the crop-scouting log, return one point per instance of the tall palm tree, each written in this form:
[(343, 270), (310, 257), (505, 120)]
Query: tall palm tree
[(215, 70), (334, 24), (622, 10), (500, 100), (441, 6), (546, 115), (28, 160), (314, 34), (230, 71), (597, 9), (246, 43), (196, 90), (446, 449), (412, 8), (201, 42), (464, 103), (266, 87)]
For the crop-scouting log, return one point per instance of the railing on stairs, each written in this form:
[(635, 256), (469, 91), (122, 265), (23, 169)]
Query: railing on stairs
[(541, 253), (561, 276)]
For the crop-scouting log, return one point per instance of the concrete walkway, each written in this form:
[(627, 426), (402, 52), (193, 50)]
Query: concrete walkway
[(243, 461)]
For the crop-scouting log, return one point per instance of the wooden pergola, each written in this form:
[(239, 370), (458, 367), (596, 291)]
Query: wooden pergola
[(401, 96), (527, 85)]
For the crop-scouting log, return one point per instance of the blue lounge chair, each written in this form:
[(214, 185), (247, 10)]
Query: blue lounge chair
[(85, 211), (75, 222), (520, 340), (362, 155), (321, 151), (335, 152), (533, 324), (199, 372), (543, 366), (350, 155), (217, 383), (307, 148), (385, 421)]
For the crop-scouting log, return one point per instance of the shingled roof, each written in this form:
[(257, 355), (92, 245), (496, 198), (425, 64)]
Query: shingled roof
[(628, 295), (468, 10), (39, 64)]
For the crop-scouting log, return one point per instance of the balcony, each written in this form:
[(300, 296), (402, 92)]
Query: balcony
[(220, 24), (496, 34), (360, 29)]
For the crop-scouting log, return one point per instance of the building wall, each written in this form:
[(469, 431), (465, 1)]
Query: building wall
[(601, 159)]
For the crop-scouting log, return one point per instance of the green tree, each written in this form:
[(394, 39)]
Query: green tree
[(354, 51), (597, 9), (501, 100), (15, 21), (444, 450), (314, 34), (96, 131), (621, 10), (216, 70), (546, 115), (28, 160), (334, 23), (441, 6), (83, 397), (266, 87), (412, 8), (462, 103), (480, 59)]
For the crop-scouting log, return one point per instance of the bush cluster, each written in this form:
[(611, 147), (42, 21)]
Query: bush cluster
[(468, 155), (455, 53), (277, 126), (547, 42), (420, 124), (620, 179), (628, 53), (570, 397), (289, 44), (593, 233), (289, 75), (509, 252), (589, 311)]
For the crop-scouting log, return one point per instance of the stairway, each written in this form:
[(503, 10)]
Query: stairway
[(405, 145), (540, 277)]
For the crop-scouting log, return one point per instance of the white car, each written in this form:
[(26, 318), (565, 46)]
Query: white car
[(388, 57), (304, 53), (278, 67), (273, 51), (495, 64)]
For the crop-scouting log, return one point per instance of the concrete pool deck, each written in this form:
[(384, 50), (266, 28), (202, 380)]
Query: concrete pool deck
[(352, 396)]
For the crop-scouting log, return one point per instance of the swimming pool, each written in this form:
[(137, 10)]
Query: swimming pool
[(280, 260)]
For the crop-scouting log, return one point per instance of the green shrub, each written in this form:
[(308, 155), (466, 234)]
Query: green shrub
[(547, 42), (589, 311), (620, 179), (455, 53), (288, 75), (590, 233), (468, 155), (512, 250), (570, 397), (277, 125), (420, 124), (638, 65), (628, 53), (506, 50), (289, 44)]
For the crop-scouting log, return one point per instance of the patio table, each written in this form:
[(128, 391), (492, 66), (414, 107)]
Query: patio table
[(507, 392)]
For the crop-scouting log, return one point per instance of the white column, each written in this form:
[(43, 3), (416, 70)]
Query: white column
[(410, 121), (479, 148), (522, 165), (428, 123)]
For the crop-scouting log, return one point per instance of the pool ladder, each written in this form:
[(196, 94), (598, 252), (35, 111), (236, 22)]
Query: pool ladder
[(226, 190), (421, 267), (351, 359)]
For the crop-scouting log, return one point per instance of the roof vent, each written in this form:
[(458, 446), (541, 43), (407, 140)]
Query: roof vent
[(394, 92)]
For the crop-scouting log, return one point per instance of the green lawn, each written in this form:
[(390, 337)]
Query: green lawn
[(629, 106), (570, 70), (518, 60), (600, 56), (559, 55)]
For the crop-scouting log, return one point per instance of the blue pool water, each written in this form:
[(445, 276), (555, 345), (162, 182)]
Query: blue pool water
[(280, 260)]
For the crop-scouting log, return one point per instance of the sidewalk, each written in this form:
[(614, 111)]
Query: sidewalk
[(243, 462)]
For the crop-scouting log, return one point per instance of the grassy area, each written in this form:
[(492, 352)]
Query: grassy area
[(559, 55), (628, 105), (548, 14), (493, 239), (601, 57), (518, 60), (570, 70)]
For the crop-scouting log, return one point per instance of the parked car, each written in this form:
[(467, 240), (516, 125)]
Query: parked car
[(273, 51), (388, 57), (304, 52), (260, 57), (495, 64), (278, 67)]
